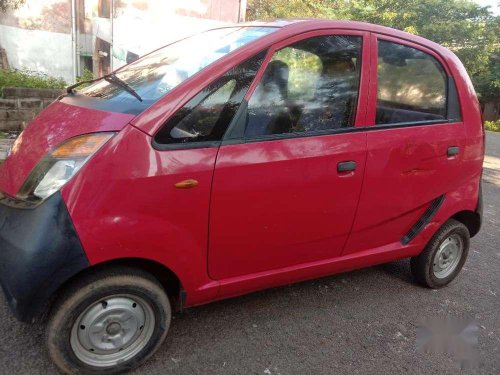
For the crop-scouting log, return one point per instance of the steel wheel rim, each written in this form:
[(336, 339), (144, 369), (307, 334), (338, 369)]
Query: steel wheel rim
[(448, 256), (112, 330)]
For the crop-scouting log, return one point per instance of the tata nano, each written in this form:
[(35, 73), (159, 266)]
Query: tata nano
[(240, 158)]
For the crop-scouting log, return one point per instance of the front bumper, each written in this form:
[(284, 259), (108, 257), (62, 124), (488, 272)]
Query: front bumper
[(39, 251)]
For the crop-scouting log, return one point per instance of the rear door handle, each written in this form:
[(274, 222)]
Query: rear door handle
[(453, 150), (346, 166)]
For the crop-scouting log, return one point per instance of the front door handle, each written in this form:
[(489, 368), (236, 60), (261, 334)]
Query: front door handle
[(346, 166), (453, 150)]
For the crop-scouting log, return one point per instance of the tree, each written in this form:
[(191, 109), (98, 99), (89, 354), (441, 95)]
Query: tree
[(469, 30), (53, 17), (487, 82), (10, 4)]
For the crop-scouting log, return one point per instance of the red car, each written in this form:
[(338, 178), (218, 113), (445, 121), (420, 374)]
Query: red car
[(238, 159)]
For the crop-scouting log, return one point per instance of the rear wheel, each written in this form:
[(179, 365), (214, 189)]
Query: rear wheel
[(443, 257), (108, 322)]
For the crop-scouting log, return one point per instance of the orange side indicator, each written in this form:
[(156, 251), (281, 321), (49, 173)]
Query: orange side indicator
[(186, 184)]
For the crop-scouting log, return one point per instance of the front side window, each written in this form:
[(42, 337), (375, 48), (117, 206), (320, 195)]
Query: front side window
[(158, 73), (411, 85), (309, 86), (207, 115)]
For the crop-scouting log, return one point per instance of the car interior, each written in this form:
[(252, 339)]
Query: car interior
[(407, 72), (272, 110)]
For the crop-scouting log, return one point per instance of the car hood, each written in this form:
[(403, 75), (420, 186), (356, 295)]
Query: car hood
[(57, 123)]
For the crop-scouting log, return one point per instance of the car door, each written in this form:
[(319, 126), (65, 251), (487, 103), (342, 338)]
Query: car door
[(415, 144), (289, 172)]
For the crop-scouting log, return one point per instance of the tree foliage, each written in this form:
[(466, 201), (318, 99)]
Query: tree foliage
[(469, 30), (10, 4)]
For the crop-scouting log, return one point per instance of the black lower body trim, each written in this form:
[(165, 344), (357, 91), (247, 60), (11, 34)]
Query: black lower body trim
[(39, 251), (423, 221)]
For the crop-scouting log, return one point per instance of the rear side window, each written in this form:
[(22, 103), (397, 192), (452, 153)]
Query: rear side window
[(412, 85), (206, 117)]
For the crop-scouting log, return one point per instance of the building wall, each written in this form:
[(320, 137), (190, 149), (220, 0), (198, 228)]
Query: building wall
[(38, 36), (18, 106), (36, 50), (140, 26)]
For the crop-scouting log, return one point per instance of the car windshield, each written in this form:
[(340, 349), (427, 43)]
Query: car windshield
[(156, 74)]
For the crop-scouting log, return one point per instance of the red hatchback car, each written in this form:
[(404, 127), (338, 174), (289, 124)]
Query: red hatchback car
[(238, 159)]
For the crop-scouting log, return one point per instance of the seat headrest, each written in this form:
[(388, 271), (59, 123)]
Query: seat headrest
[(277, 74)]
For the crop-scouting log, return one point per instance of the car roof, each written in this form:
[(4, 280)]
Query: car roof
[(293, 26), (275, 23)]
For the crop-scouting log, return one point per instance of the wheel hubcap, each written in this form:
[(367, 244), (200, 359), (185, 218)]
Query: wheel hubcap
[(112, 330), (448, 256)]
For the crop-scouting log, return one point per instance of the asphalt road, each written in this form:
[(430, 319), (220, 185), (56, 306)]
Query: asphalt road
[(361, 322)]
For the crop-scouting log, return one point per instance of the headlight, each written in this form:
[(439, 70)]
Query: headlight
[(59, 165)]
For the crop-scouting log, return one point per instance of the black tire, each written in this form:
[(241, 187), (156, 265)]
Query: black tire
[(96, 287), (422, 265)]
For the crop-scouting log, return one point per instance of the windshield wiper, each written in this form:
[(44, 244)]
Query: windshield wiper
[(70, 89), (111, 78)]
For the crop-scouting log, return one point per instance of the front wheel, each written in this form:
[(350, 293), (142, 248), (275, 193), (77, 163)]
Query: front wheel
[(443, 257), (108, 322)]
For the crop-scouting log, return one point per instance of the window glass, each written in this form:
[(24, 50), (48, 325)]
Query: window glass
[(411, 85), (311, 85), (159, 72), (305, 70), (207, 116)]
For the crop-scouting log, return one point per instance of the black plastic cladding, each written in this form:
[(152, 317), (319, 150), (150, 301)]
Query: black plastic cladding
[(39, 251), (423, 221)]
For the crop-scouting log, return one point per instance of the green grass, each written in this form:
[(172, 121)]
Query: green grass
[(493, 126), (29, 79), (3, 135)]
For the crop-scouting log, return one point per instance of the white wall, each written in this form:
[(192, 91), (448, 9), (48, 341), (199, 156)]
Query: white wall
[(41, 51)]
